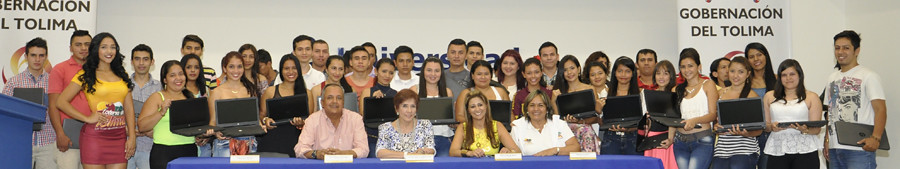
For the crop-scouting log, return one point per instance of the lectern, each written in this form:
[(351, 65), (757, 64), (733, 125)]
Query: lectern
[(17, 117)]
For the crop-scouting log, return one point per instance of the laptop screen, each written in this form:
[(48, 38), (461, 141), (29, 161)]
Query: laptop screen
[(435, 108), (576, 102), (622, 107), (288, 107), (661, 103), (381, 109), (235, 112), (738, 111), (189, 113), (500, 110)]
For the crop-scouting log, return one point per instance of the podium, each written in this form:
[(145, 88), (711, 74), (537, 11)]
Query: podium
[(17, 117)]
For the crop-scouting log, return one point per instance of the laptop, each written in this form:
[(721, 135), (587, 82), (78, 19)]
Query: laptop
[(746, 113), (284, 109), (500, 111), (661, 107), (579, 104), (190, 117), (437, 110), (819, 123), (849, 133), (378, 111), (238, 117), (72, 128), (651, 142), (350, 102), (622, 110), (34, 95)]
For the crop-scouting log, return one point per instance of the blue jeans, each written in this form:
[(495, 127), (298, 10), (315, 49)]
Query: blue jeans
[(206, 149), (763, 158), (694, 154), (442, 146), (616, 144), (141, 160), (855, 159), (736, 162)]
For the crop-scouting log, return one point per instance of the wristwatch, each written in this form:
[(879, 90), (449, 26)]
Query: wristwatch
[(314, 154)]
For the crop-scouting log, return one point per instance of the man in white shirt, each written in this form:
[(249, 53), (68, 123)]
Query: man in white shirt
[(404, 78), (854, 94), (303, 51)]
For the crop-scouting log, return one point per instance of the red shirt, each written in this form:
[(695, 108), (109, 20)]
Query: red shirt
[(646, 86), (60, 77)]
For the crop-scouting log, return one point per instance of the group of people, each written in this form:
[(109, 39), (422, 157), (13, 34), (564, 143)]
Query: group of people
[(127, 122)]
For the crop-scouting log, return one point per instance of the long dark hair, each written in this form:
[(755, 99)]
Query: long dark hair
[(442, 84), (534, 61), (201, 80), (498, 67), (300, 83), (747, 83), (343, 81), (488, 120), (779, 88), (597, 55), (686, 53), (165, 71), (89, 78), (768, 74), (613, 83), (254, 69), (250, 86), (563, 85), (380, 63), (479, 63), (665, 64)]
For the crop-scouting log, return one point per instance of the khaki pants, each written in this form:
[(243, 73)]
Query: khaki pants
[(44, 157), (69, 160)]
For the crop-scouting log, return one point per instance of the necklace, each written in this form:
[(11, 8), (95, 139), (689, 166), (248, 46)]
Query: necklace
[(235, 92), (691, 91)]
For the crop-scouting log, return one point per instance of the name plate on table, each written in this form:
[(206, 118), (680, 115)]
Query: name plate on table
[(508, 157), (244, 159), (338, 158), (582, 156), (419, 158)]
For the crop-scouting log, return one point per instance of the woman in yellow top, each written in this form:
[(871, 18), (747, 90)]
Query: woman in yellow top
[(107, 87), (167, 146), (471, 139)]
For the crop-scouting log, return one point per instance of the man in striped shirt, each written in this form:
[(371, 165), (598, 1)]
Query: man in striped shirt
[(43, 147), (192, 44)]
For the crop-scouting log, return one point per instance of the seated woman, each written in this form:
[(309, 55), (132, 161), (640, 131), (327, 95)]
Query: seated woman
[(472, 139), (539, 135), (406, 134)]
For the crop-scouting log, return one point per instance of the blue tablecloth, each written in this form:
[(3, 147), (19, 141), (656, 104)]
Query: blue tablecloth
[(528, 162)]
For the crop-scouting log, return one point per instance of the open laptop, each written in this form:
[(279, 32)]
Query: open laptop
[(34, 95), (579, 104), (849, 133), (746, 113), (284, 109), (190, 117), (238, 117), (350, 102), (72, 128), (500, 111), (437, 110), (378, 110), (661, 107), (622, 110)]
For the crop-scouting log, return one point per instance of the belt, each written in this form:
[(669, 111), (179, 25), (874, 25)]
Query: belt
[(694, 136)]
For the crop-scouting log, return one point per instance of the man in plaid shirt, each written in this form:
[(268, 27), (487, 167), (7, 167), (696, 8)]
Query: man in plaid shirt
[(43, 147)]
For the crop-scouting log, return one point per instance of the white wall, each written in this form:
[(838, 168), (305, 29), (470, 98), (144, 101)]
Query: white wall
[(616, 27)]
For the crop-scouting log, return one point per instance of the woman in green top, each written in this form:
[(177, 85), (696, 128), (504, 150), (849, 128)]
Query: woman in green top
[(471, 138), (155, 116)]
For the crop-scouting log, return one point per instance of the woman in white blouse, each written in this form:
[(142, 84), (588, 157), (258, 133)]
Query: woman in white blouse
[(796, 145), (539, 132)]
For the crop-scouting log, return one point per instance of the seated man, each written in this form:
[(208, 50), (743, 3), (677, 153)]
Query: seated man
[(332, 130)]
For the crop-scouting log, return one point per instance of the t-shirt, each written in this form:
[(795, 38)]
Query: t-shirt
[(849, 98), (457, 81), (399, 84), (210, 75), (312, 78), (108, 99)]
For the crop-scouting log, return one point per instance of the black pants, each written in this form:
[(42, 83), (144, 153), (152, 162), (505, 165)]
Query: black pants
[(808, 160), (161, 155)]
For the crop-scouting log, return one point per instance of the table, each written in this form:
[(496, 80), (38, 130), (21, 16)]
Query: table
[(528, 162)]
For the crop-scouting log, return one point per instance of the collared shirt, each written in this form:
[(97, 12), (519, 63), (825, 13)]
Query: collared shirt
[(27, 80), (319, 134), (555, 133), (642, 85), (400, 84), (140, 94), (60, 77), (312, 78)]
